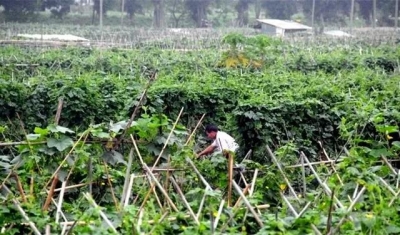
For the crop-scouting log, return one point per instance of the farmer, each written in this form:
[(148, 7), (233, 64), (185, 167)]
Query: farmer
[(222, 141)]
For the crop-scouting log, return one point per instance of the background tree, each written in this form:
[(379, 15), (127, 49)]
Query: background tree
[(365, 9), (242, 8), (177, 10), (59, 8), (198, 10), (19, 10), (158, 13), (107, 5), (279, 9), (331, 11), (132, 7)]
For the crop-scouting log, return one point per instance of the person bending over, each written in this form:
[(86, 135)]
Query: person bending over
[(222, 141)]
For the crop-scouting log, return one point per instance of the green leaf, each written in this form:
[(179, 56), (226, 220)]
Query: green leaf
[(387, 129), (379, 152), (40, 131), (48, 151), (396, 143), (100, 134), (59, 129), (120, 126), (32, 136), (392, 229), (60, 144), (113, 157)]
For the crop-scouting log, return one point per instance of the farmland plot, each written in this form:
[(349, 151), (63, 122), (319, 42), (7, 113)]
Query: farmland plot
[(104, 141)]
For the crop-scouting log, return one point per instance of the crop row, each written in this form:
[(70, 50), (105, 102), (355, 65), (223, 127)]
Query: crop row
[(301, 95)]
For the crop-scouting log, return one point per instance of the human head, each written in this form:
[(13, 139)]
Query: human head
[(211, 131)]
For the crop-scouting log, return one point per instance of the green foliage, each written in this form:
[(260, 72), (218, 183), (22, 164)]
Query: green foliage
[(339, 96)]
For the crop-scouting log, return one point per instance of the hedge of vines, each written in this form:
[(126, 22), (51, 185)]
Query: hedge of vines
[(298, 95)]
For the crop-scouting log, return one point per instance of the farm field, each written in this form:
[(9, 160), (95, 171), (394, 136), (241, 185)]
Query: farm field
[(285, 101)]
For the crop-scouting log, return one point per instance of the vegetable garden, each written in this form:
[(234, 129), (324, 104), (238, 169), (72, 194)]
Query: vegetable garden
[(100, 141)]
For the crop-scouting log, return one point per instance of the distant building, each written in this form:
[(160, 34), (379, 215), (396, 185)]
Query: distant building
[(276, 27)]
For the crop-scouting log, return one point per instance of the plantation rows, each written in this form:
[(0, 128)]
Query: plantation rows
[(319, 102), (300, 94)]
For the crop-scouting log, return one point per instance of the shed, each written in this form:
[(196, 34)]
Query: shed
[(276, 27)]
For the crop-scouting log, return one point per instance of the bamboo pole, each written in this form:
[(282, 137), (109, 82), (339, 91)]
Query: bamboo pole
[(178, 189), (221, 206), (199, 174), (230, 178), (247, 203), (303, 174), (316, 230), (136, 110), (65, 159), (22, 212), (155, 193), (348, 211), (20, 188), (104, 216), (282, 173), (70, 187), (195, 129), (111, 186), (166, 142), (161, 189), (60, 200), (128, 194), (159, 221), (203, 200), (59, 109), (127, 173), (385, 160), (50, 194), (6, 144)]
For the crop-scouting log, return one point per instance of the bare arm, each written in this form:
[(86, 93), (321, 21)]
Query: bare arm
[(206, 151)]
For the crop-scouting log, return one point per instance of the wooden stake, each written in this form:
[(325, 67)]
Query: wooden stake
[(128, 194), (111, 187), (199, 174), (166, 142), (22, 212), (136, 110), (230, 178), (59, 109), (247, 203), (127, 173), (195, 129), (20, 188), (178, 189), (50, 195), (221, 206), (60, 200), (161, 189), (282, 173), (349, 209), (108, 222)]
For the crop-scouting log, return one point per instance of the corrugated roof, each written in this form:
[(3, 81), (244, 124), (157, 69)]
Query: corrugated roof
[(58, 37), (284, 24)]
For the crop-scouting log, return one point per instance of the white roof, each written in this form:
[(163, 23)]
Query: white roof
[(337, 33), (284, 24), (57, 37)]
